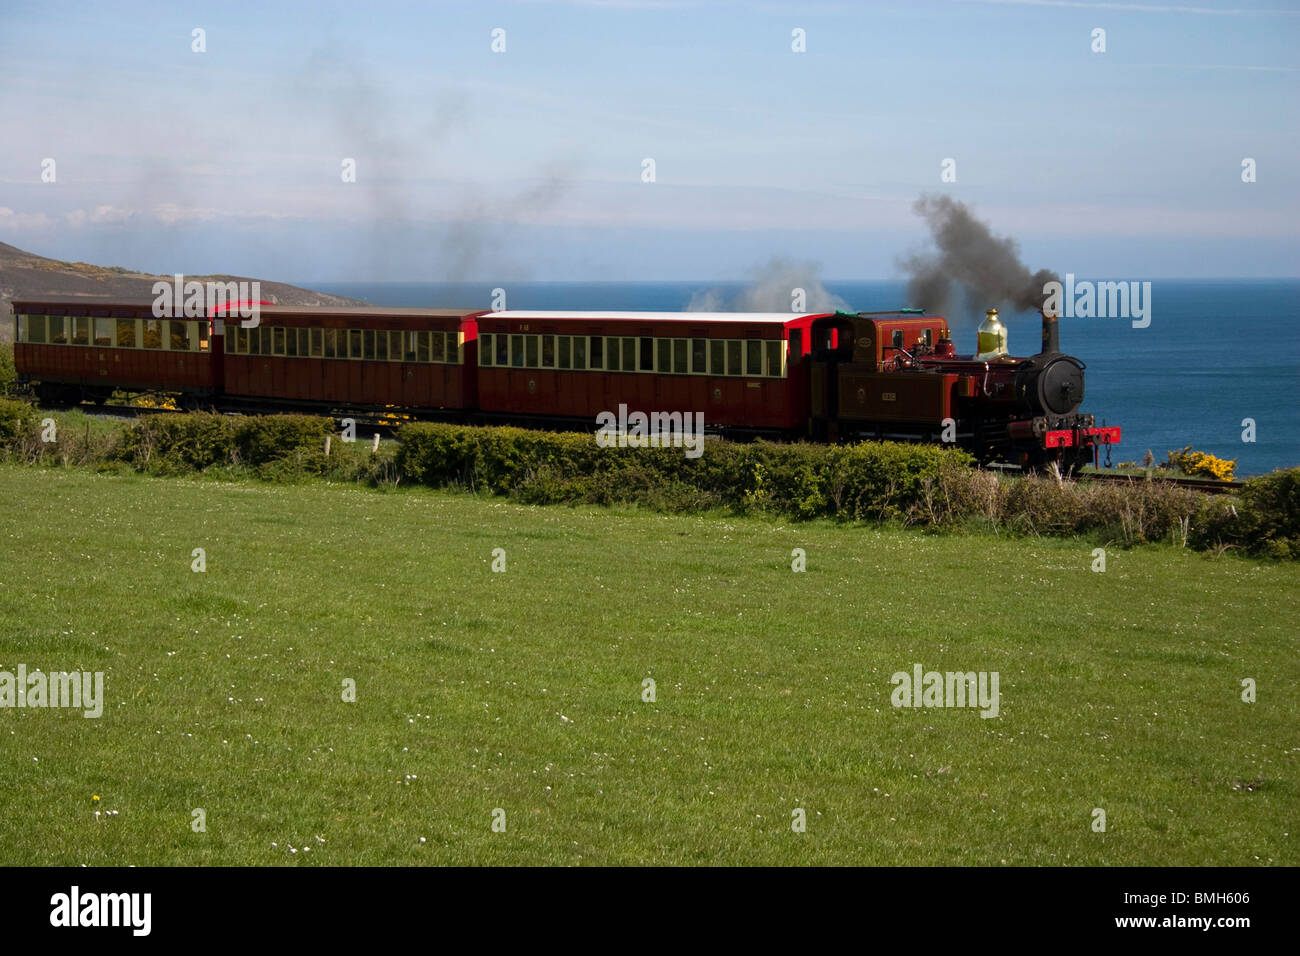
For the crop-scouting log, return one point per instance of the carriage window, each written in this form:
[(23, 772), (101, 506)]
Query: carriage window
[(104, 331), (36, 329), (485, 348), (331, 337), (753, 357), (354, 343), (733, 357), (647, 355), (580, 353), (421, 340), (717, 358), (291, 342), (453, 348), (517, 351), (503, 351), (439, 347), (679, 356), (126, 333), (58, 330), (81, 330), (611, 354), (241, 340), (381, 346), (368, 344), (699, 349), (395, 340), (530, 351), (898, 338), (548, 351), (566, 351), (665, 350), (773, 359), (316, 337), (629, 355), (277, 340), (153, 333)]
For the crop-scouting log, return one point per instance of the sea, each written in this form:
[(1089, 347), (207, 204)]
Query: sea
[(1216, 368)]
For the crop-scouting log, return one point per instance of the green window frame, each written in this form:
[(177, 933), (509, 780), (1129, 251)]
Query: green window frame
[(699, 356), (717, 357), (103, 331), (774, 367)]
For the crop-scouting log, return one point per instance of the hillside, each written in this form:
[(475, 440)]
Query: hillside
[(25, 275)]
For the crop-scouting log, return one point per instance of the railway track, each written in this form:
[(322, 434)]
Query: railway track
[(1208, 485), (366, 424)]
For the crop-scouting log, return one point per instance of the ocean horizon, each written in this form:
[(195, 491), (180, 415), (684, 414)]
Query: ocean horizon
[(1216, 352)]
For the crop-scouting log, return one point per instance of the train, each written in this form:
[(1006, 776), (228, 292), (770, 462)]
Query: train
[(825, 376)]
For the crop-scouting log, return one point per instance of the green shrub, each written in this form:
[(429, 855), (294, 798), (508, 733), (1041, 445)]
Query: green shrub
[(261, 439), (1264, 520), (873, 481), (8, 372), (19, 426), (192, 442)]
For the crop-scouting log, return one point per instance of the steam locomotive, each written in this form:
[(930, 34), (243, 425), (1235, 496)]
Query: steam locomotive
[(832, 377)]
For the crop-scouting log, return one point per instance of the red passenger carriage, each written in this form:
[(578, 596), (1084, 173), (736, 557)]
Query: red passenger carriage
[(743, 371)]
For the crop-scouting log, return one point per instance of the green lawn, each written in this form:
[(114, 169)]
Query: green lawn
[(523, 690)]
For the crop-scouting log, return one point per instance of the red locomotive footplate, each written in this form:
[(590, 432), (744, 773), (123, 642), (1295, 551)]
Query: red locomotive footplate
[(1064, 438)]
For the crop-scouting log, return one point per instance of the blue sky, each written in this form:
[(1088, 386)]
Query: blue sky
[(527, 164)]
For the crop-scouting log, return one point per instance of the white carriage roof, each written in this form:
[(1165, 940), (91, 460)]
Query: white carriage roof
[(745, 318)]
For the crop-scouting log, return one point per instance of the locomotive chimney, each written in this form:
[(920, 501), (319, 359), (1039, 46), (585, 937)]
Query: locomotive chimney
[(1051, 333)]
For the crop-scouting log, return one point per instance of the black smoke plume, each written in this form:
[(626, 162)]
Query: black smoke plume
[(970, 268)]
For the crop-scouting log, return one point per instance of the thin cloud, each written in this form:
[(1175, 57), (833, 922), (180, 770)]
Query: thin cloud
[(1142, 7)]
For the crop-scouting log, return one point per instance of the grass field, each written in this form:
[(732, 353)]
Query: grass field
[(522, 690)]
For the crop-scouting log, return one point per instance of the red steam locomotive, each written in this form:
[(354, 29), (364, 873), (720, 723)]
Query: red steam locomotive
[(826, 376)]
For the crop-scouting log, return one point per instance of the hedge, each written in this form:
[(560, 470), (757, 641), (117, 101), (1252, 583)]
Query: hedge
[(877, 480), (199, 440), (872, 481)]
